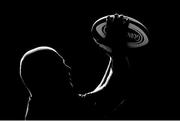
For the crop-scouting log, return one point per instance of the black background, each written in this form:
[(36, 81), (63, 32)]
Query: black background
[(66, 27)]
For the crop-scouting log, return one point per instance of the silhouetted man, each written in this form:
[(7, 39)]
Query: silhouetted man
[(48, 81)]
